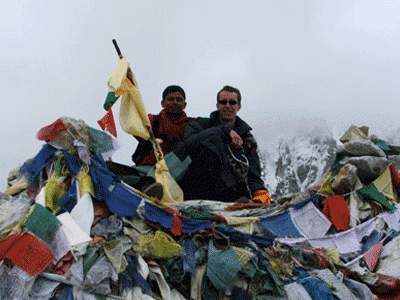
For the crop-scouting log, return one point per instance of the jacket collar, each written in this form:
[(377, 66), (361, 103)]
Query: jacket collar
[(240, 125)]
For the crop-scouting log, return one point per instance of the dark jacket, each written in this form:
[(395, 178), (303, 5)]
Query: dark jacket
[(209, 132)]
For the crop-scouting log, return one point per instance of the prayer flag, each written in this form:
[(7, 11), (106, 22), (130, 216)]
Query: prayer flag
[(372, 255), (134, 120), (337, 211), (107, 123), (326, 187), (133, 116), (395, 176), (371, 193), (27, 252), (384, 185), (281, 225), (110, 99), (42, 223), (122, 202), (49, 132)]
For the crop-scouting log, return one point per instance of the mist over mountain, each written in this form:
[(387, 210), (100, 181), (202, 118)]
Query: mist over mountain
[(394, 137), (297, 163)]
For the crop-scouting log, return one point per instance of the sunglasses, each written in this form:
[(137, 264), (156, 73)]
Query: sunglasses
[(231, 102)]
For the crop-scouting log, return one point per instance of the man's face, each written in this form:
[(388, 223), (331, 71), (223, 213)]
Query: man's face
[(228, 105), (174, 103)]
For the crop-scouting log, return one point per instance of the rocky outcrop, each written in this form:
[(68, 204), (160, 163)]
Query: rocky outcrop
[(297, 164)]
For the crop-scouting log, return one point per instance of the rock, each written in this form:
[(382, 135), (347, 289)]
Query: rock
[(360, 148), (344, 182), (395, 160), (394, 150), (389, 263), (368, 167), (355, 133)]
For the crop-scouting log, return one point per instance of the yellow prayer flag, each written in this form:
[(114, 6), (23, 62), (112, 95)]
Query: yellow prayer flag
[(326, 187), (134, 120), (384, 185), (85, 181), (18, 186), (172, 192), (132, 114)]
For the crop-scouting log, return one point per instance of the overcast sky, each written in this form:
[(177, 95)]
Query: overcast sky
[(297, 63)]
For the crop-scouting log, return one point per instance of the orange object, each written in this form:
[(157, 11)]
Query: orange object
[(261, 196), (98, 239)]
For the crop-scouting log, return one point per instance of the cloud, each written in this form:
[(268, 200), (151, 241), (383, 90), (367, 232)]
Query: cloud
[(297, 63)]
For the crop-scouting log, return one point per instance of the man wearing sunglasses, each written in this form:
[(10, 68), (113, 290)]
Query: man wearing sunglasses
[(225, 164)]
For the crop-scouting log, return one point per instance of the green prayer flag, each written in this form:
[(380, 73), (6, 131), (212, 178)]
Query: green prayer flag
[(383, 146), (371, 193), (99, 141), (93, 254), (110, 100), (42, 223), (176, 167)]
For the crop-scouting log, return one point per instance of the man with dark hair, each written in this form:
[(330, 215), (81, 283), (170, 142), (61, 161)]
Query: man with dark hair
[(169, 126), (225, 164)]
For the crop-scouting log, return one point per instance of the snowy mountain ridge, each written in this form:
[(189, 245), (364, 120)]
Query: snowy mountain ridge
[(298, 163)]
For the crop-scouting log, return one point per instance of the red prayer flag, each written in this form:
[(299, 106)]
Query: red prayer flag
[(27, 252), (107, 123), (372, 255), (337, 211), (48, 132), (395, 176)]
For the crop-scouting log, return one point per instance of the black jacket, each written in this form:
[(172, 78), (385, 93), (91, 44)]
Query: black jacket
[(210, 133)]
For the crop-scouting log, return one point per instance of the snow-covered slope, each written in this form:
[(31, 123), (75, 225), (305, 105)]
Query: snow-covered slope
[(296, 164)]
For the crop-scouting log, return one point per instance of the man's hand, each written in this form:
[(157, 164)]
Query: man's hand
[(129, 74), (236, 139)]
